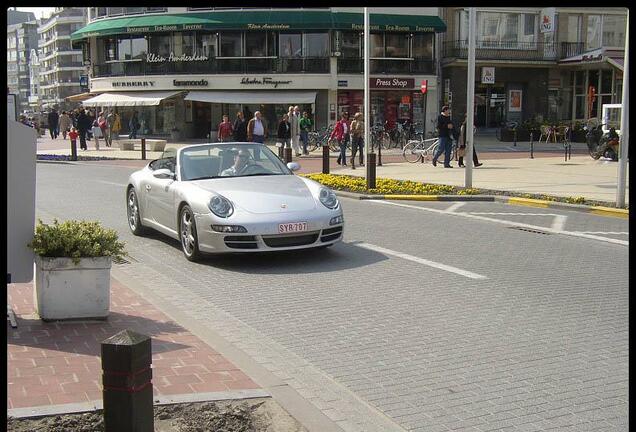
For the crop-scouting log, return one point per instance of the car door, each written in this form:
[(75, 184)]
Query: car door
[(160, 195)]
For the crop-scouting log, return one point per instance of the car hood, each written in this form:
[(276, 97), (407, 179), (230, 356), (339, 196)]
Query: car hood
[(263, 194)]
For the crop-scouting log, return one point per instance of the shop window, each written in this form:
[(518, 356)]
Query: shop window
[(110, 49), (184, 44), (316, 45), (606, 81), (376, 45), (139, 48), (231, 44), (124, 49), (397, 45), (160, 45), (290, 45), (350, 46)]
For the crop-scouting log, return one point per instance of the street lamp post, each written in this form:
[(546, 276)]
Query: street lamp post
[(624, 142), (470, 99), (368, 161)]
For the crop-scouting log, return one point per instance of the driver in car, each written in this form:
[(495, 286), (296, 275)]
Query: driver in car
[(242, 165)]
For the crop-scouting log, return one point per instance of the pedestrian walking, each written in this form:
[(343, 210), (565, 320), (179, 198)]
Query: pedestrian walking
[(294, 123), (83, 124), (133, 126), (257, 129), (53, 119), (461, 147), (357, 139), (444, 128), (340, 131), (116, 126), (110, 121), (225, 129), (284, 131), (97, 133), (305, 127), (65, 124), (240, 128), (103, 126)]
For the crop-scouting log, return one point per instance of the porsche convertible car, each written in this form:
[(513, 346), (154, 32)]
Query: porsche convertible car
[(232, 197)]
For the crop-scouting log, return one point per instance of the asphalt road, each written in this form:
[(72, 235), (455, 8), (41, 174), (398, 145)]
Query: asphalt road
[(428, 316)]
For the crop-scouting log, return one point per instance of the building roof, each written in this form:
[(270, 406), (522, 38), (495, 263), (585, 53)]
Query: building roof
[(260, 20)]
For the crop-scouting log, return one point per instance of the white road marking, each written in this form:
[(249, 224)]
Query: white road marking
[(602, 232), (559, 222), (500, 221), (418, 260), (513, 148), (512, 214), (455, 206), (111, 183)]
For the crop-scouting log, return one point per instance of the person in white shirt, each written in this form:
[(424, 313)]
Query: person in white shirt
[(294, 122)]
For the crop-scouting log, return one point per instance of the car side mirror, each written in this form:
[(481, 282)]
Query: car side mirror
[(163, 173), (294, 166)]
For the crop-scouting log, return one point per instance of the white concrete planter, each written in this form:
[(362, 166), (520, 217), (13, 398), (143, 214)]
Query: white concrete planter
[(64, 290)]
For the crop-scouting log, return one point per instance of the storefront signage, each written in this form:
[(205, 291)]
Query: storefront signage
[(154, 58), (487, 75), (264, 81), (514, 100), (547, 20), (392, 83), (133, 84), (592, 57), (268, 26), (389, 27), (201, 82), (343, 83)]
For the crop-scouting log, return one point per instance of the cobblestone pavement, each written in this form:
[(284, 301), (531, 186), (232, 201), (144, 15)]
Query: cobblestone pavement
[(380, 341)]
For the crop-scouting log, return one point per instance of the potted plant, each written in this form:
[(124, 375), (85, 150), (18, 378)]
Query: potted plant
[(72, 269)]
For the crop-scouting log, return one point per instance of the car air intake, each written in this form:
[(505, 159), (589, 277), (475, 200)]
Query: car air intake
[(287, 241), (241, 242), (331, 234)]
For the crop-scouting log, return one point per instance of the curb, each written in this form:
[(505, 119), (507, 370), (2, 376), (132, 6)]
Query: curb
[(54, 162), (529, 202)]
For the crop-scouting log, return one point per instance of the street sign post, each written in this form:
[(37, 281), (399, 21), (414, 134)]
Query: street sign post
[(424, 86)]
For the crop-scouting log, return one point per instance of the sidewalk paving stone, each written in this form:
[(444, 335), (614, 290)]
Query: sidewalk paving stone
[(52, 363)]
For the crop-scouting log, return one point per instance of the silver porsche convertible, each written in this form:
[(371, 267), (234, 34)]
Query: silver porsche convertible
[(232, 197)]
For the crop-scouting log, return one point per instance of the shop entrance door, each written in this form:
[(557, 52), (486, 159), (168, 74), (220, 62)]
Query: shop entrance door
[(490, 101), (202, 116)]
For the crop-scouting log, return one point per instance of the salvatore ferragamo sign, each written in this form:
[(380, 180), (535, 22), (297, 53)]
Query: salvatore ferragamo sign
[(264, 81)]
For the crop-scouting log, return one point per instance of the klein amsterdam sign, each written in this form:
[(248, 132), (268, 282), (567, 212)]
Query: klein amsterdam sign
[(154, 58)]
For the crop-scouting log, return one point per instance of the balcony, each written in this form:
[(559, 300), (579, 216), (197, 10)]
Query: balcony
[(571, 49), (413, 66), (498, 50), (215, 66)]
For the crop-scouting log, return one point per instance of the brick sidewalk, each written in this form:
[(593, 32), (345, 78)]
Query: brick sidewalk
[(59, 362)]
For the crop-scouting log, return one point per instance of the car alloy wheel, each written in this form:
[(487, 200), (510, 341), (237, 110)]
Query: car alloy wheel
[(188, 234), (134, 220)]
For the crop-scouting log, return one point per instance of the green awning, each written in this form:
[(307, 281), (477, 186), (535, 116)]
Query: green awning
[(259, 20)]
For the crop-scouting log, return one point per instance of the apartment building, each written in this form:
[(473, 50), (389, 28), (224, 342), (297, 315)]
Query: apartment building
[(560, 64), (21, 40), (60, 65), (185, 67)]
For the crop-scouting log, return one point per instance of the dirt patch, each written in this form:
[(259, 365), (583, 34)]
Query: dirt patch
[(253, 415)]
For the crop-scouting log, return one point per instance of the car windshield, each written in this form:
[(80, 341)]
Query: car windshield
[(229, 160)]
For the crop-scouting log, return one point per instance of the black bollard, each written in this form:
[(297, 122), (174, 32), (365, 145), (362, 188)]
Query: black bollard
[(515, 132), (288, 154), (280, 153), (531, 145), (143, 149), (379, 155), (73, 150), (371, 171), (127, 381), (325, 159)]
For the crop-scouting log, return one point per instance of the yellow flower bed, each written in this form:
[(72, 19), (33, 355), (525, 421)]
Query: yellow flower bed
[(383, 186)]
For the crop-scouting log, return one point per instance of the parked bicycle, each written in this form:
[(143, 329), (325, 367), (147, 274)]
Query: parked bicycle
[(379, 137), (317, 139), (420, 150)]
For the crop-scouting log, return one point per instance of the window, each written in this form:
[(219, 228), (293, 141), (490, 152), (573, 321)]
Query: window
[(423, 45), (184, 44), (208, 45), (574, 28), (255, 44), (160, 45), (110, 49), (376, 45), (350, 44), (139, 47), (606, 81), (614, 27), (124, 49), (397, 45), (593, 32), (231, 44), (115, 11), (316, 45), (290, 45)]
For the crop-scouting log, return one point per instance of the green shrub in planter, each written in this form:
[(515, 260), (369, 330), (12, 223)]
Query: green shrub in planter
[(76, 239)]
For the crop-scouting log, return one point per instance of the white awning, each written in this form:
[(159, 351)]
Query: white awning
[(130, 98), (253, 97)]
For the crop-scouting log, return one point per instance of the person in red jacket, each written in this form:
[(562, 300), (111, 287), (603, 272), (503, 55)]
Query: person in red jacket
[(225, 129), (341, 134)]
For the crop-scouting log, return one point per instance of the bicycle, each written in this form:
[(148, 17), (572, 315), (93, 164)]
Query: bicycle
[(379, 137), (420, 150), (316, 139)]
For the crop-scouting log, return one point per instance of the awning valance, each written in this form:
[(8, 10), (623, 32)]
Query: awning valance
[(80, 97), (130, 98), (253, 97), (259, 20)]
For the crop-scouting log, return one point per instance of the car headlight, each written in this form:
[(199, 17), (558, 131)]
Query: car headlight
[(328, 198), (221, 206)]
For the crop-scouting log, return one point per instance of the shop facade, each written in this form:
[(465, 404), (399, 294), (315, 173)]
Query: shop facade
[(219, 63)]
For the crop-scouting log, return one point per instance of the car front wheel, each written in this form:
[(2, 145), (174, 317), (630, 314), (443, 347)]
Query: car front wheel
[(132, 210), (188, 234)]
